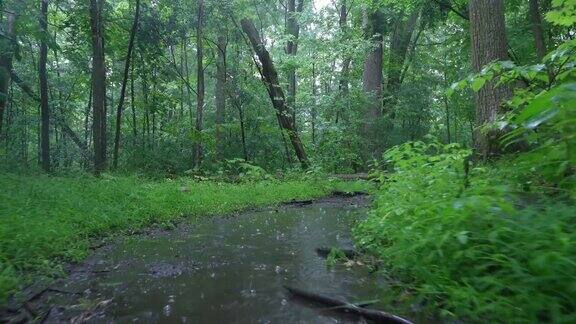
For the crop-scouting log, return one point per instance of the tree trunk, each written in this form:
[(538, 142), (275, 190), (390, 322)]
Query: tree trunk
[(133, 104), (44, 106), (537, 29), (7, 43), (313, 110), (124, 84), (200, 84), (98, 86), (372, 75), (489, 44), (220, 93), (270, 78), (343, 86), (292, 49), (401, 37)]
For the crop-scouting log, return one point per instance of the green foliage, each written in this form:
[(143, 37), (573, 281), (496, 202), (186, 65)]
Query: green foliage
[(47, 221), (335, 256), (564, 13), (238, 170), (502, 248)]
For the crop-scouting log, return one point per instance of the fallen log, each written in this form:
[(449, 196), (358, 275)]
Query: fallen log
[(324, 252), (342, 305)]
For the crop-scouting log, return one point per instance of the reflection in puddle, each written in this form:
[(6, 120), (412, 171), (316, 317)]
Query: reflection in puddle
[(231, 270)]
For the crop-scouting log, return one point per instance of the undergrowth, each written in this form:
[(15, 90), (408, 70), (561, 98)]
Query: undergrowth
[(498, 245), (48, 221)]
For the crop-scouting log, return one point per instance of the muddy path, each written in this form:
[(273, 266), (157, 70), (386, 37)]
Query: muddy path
[(218, 270)]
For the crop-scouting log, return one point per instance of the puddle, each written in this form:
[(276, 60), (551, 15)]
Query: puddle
[(221, 270)]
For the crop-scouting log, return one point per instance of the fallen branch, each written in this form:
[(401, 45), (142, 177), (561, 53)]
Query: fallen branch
[(341, 305)]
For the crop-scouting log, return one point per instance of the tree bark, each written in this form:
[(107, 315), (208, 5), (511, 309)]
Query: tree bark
[(44, 105), (125, 83), (372, 74), (489, 44), (98, 86), (220, 93), (292, 49), (200, 84), (7, 43), (270, 78), (537, 29)]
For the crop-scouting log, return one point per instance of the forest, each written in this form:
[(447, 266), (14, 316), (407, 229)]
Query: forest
[(448, 125)]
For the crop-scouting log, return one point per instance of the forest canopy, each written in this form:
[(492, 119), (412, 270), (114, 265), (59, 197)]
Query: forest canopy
[(173, 87)]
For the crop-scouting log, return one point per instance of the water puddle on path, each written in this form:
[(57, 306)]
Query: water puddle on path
[(222, 270)]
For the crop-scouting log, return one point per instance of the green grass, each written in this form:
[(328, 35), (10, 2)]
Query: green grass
[(48, 221), (501, 250)]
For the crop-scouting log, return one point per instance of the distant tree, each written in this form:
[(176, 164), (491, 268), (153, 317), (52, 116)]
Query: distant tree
[(7, 48), (200, 86), (124, 84), (220, 92), (537, 29), (44, 104), (98, 86)]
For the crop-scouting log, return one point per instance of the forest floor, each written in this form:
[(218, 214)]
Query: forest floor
[(48, 222), (241, 262)]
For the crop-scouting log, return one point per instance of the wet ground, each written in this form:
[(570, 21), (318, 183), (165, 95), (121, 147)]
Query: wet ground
[(219, 270)]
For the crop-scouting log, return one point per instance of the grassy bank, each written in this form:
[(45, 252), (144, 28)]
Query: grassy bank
[(48, 221), (502, 249)]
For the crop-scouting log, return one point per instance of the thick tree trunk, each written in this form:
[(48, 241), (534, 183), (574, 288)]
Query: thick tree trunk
[(220, 93), (98, 86), (124, 84), (7, 44), (292, 49), (372, 75), (200, 83), (489, 44), (537, 29), (283, 111), (44, 105)]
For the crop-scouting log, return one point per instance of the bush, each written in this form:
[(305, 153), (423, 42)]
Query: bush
[(502, 249)]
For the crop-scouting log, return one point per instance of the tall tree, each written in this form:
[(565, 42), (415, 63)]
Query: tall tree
[(98, 86), (44, 104), (200, 86), (293, 29), (537, 29), (343, 24), (220, 92), (403, 32), (489, 44), (120, 109), (270, 78), (7, 48), (372, 75)]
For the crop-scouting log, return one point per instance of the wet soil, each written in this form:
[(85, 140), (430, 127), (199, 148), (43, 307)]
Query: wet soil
[(228, 269)]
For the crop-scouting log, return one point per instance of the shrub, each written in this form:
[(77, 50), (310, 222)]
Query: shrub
[(502, 249)]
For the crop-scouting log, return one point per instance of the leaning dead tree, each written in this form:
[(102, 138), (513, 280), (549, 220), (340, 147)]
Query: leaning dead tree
[(270, 79)]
